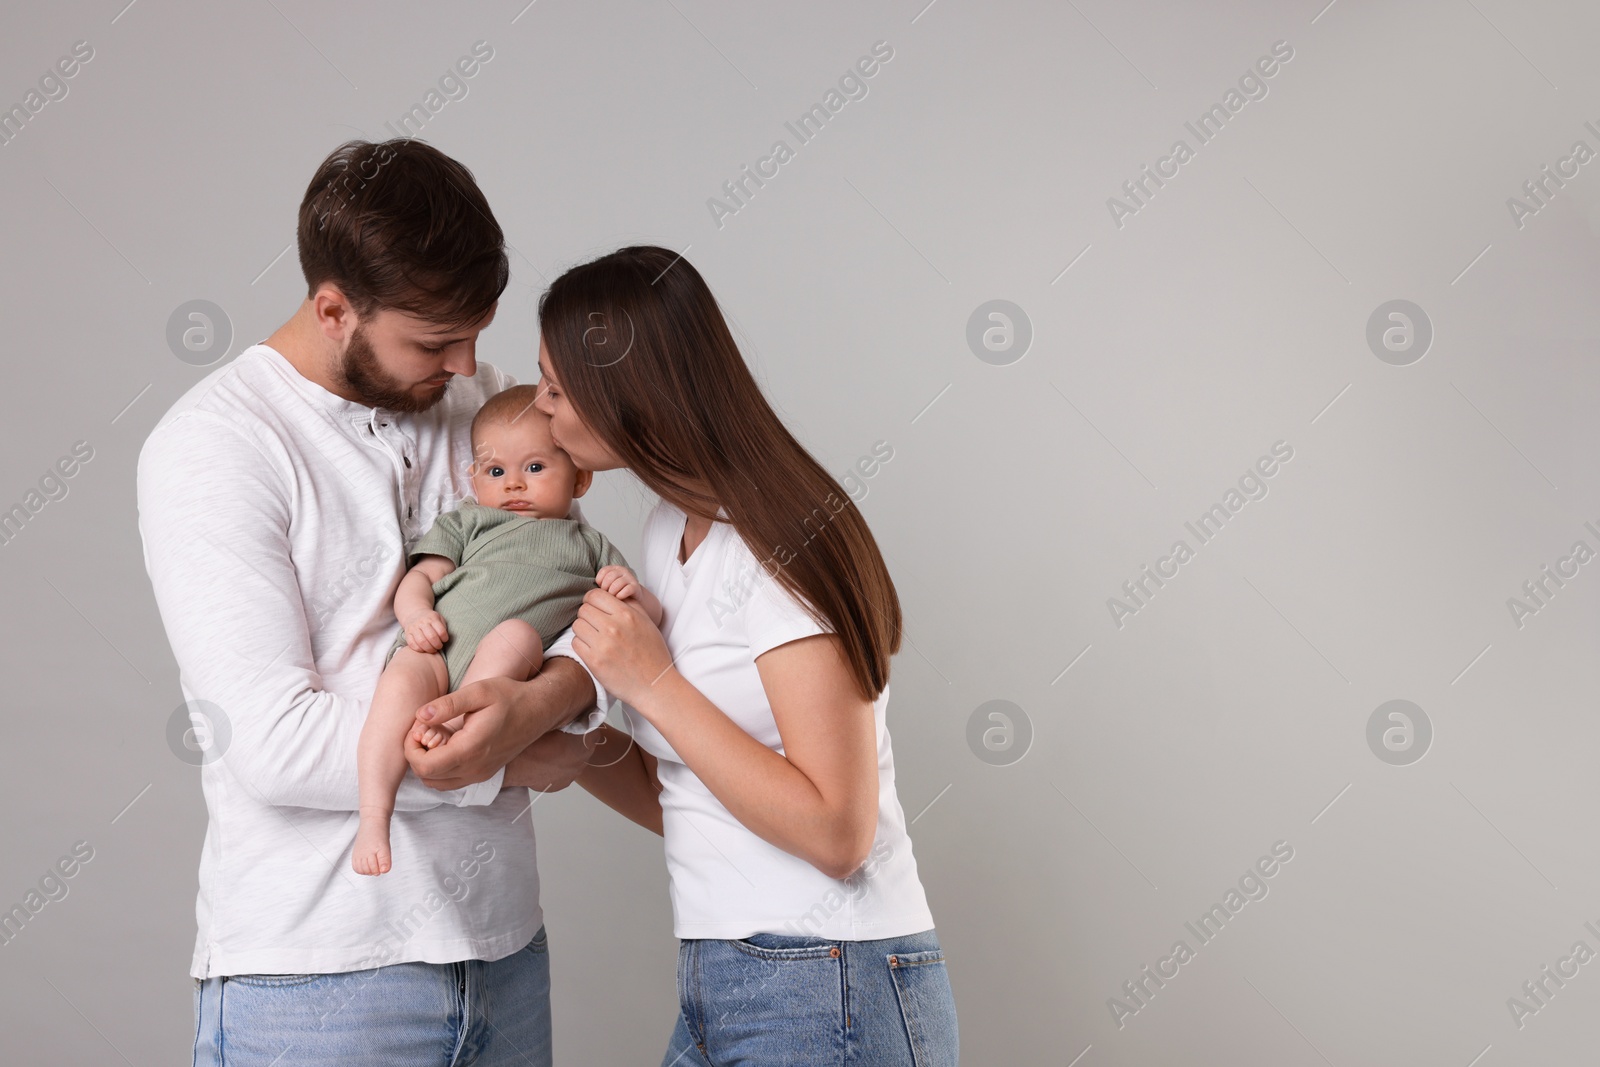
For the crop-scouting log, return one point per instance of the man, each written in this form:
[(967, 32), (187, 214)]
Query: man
[(278, 499)]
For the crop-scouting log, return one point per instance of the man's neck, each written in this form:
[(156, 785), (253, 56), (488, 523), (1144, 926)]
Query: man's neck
[(309, 352)]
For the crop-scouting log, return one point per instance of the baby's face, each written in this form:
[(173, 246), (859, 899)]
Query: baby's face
[(518, 468)]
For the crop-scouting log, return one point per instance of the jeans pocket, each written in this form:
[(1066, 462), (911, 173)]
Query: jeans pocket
[(540, 942), (770, 998), (927, 1006), (779, 947)]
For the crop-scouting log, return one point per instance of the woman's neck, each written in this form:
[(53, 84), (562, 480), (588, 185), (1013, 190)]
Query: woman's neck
[(694, 531)]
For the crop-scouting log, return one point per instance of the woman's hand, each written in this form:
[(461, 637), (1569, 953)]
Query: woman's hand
[(620, 645)]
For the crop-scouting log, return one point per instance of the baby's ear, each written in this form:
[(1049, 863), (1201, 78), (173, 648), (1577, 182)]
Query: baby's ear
[(581, 484)]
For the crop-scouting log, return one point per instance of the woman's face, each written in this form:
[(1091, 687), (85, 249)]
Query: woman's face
[(570, 433)]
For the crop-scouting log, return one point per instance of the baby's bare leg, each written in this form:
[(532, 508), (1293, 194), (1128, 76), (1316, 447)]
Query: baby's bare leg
[(513, 650), (410, 680)]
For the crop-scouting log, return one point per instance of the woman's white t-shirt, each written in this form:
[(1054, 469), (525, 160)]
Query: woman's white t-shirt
[(721, 611)]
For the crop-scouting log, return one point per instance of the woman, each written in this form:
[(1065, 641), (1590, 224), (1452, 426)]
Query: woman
[(761, 753)]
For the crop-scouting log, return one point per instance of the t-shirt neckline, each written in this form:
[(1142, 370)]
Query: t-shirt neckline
[(315, 391), (685, 566)]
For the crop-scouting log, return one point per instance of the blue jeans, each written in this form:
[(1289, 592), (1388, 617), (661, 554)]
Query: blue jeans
[(417, 1014), (777, 998)]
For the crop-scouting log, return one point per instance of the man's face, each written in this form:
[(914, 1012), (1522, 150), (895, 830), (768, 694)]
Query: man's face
[(517, 467), (401, 362)]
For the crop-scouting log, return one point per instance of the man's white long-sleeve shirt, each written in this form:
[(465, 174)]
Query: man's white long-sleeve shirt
[(275, 518)]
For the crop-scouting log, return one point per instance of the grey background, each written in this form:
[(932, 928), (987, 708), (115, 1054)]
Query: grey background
[(1227, 314)]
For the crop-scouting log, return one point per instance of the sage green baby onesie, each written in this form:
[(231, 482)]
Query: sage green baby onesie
[(508, 566)]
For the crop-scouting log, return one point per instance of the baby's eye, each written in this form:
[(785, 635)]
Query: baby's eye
[(535, 468), (496, 472)]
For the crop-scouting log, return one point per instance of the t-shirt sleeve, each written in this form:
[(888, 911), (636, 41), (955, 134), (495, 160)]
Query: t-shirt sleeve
[(773, 616), (214, 517), (447, 537)]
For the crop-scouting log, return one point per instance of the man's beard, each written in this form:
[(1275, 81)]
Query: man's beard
[(377, 388)]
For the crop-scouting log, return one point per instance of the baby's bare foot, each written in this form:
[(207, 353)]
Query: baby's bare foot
[(371, 852), (434, 736)]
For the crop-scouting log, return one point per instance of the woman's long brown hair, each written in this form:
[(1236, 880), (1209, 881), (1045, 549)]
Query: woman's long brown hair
[(639, 345)]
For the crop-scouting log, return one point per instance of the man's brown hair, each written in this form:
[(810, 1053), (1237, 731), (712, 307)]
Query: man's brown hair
[(399, 224)]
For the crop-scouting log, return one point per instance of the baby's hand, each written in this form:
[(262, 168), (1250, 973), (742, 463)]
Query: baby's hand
[(427, 632), (618, 581)]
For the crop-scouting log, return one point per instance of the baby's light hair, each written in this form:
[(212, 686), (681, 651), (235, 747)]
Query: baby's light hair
[(506, 406)]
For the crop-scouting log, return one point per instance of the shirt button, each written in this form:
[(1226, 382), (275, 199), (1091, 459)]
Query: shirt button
[(407, 459)]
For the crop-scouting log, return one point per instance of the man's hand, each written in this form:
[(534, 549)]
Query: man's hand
[(507, 716), (553, 762)]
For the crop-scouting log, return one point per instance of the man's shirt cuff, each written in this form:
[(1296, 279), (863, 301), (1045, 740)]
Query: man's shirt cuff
[(482, 792)]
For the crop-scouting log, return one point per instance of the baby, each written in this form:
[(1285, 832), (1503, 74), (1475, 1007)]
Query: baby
[(493, 583)]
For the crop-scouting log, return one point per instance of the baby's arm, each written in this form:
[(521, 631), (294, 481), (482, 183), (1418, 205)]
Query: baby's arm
[(413, 604), (620, 582)]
